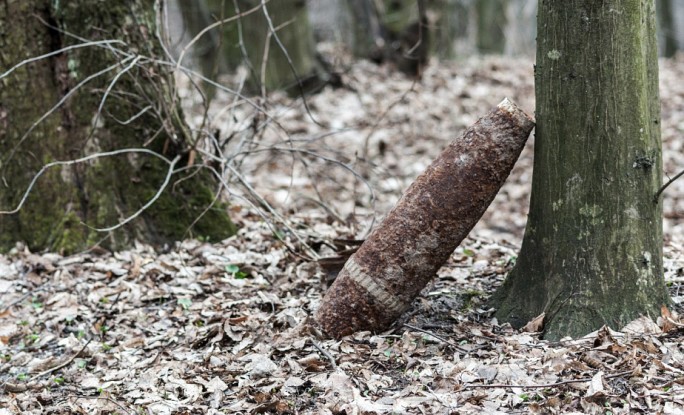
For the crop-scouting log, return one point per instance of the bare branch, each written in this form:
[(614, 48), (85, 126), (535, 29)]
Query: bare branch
[(57, 52), (325, 353), (58, 104), (545, 385), (149, 203), (440, 338), (134, 117), (665, 186), (262, 214), (289, 61), (80, 160), (210, 27), (109, 88), (63, 364)]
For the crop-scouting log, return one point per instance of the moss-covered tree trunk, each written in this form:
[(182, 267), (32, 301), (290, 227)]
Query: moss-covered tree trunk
[(140, 110), (592, 251)]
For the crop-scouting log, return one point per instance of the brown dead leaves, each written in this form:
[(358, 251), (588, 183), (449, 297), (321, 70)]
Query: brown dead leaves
[(225, 327)]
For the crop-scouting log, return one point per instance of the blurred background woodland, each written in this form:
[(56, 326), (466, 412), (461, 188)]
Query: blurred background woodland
[(379, 30), (220, 114)]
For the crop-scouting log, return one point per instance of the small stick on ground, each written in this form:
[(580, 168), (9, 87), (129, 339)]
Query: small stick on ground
[(325, 353), (546, 385), (440, 338), (48, 371)]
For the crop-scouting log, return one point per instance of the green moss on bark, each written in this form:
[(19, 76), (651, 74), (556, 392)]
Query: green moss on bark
[(592, 251), (105, 191)]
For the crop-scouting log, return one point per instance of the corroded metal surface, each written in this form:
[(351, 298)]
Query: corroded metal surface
[(379, 282)]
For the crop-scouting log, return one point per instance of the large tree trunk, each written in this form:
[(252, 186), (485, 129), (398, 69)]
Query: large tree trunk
[(140, 110), (592, 251)]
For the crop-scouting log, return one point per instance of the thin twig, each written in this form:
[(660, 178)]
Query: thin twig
[(547, 385), (31, 293), (57, 52), (314, 255), (149, 203), (67, 362), (262, 214), (109, 89), (56, 106), (208, 28), (324, 353), (241, 43), (217, 85), (264, 56), (440, 338), (383, 115), (134, 117), (289, 61), (70, 162), (669, 182), (105, 398), (322, 157)]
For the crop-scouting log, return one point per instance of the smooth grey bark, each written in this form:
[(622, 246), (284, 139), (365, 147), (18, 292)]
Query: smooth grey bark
[(592, 251), (491, 20), (666, 28)]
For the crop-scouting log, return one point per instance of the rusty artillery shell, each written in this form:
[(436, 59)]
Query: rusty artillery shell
[(379, 282)]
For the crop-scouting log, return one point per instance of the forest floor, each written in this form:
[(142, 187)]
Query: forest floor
[(226, 327)]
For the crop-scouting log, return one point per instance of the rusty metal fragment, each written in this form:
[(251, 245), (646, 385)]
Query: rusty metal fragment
[(379, 282)]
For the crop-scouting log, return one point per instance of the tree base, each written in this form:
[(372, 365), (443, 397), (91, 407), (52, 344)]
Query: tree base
[(570, 310)]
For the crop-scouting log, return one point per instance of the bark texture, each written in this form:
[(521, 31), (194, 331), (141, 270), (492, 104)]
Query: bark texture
[(592, 251), (491, 20), (379, 282), (251, 41), (140, 111)]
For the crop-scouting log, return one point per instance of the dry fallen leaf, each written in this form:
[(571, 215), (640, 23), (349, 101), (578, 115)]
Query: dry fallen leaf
[(238, 345), (535, 325), (642, 325), (596, 387), (666, 321)]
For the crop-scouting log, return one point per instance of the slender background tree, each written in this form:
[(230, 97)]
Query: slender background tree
[(274, 42)]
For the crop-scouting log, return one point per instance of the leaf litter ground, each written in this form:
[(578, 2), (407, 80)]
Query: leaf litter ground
[(226, 327)]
